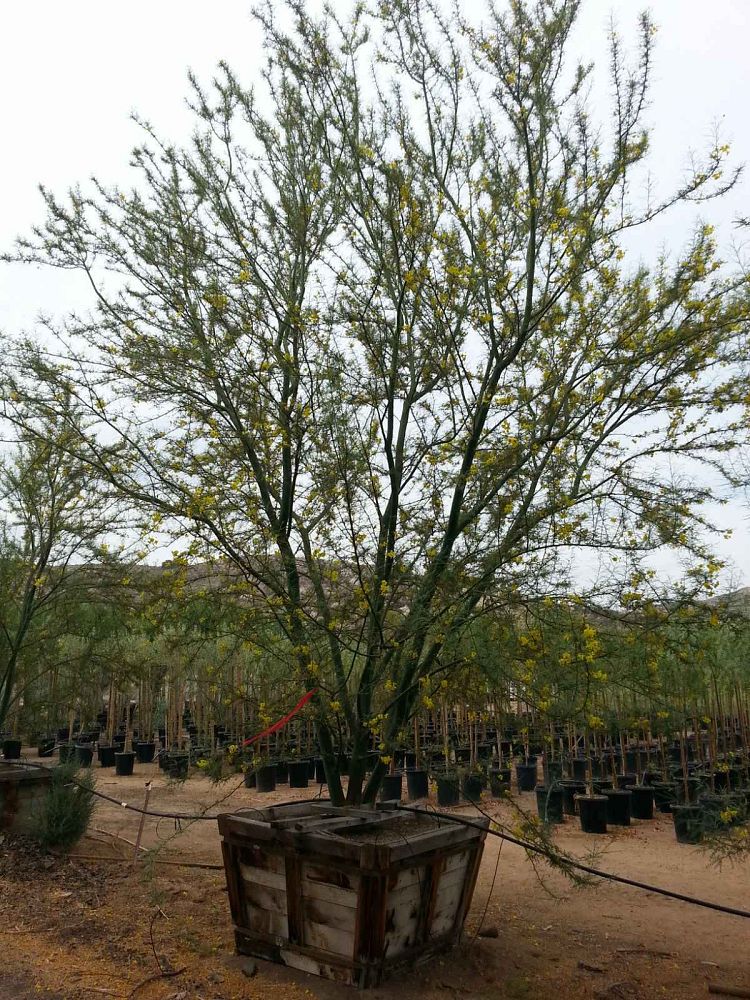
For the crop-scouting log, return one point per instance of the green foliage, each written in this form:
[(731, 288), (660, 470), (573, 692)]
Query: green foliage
[(66, 810)]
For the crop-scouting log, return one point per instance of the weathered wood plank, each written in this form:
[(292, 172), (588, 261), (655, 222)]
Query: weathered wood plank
[(260, 876), (255, 857), (333, 940), (262, 921), (264, 897), (330, 914), (327, 893)]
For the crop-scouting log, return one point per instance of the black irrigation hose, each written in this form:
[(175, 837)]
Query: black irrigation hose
[(669, 893), (720, 907)]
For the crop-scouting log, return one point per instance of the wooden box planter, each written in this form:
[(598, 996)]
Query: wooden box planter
[(348, 894), (22, 790)]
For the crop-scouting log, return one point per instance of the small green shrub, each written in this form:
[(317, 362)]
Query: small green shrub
[(66, 810)]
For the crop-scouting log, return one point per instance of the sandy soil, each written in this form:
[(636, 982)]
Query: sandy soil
[(80, 928)]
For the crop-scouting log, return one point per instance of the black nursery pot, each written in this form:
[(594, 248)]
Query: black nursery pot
[(66, 752), (417, 785), (688, 823), (46, 748), (569, 790), (11, 749), (447, 790), (553, 771), (320, 771), (124, 763), (499, 781), (579, 768), (618, 806), (177, 765), (471, 786), (549, 803), (106, 756), (663, 795), (626, 780), (641, 801), (265, 778), (390, 788), (592, 810), (526, 777), (282, 772), (298, 773), (144, 752), (84, 755), (249, 779)]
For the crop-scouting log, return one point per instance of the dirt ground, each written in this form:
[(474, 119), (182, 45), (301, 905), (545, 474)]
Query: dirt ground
[(76, 927)]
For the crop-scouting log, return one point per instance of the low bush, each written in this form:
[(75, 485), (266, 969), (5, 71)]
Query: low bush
[(66, 810)]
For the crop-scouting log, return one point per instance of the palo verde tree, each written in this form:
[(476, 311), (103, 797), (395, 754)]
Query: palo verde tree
[(373, 336)]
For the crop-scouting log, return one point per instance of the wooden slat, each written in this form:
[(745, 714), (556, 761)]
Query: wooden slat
[(327, 893), (272, 924), (264, 897), (317, 966), (332, 940), (255, 857), (328, 875), (259, 876), (331, 914)]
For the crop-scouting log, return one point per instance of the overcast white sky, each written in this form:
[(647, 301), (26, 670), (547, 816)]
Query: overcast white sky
[(71, 73)]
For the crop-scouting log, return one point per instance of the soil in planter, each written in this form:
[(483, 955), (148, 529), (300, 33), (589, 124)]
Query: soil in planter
[(592, 810), (393, 831)]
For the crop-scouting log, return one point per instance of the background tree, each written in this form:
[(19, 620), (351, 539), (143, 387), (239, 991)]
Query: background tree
[(378, 344), (53, 519)]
